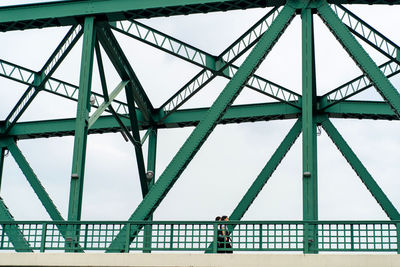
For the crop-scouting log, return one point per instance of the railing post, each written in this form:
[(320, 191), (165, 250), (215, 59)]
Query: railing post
[(260, 238), (86, 236), (43, 240), (306, 227), (71, 238), (215, 238), (398, 237), (352, 236), (147, 238), (171, 237), (128, 238)]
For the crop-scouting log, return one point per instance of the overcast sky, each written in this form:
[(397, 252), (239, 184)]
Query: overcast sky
[(229, 161)]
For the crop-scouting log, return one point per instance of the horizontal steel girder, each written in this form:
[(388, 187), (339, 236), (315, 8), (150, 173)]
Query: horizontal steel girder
[(191, 117), (180, 118), (375, 110), (70, 12)]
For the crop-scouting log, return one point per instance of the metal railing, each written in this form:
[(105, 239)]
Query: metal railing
[(350, 236)]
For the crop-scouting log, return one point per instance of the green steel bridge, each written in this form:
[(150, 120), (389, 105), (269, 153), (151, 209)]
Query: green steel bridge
[(96, 22)]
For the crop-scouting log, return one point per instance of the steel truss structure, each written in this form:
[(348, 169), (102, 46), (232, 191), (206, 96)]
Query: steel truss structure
[(96, 21)]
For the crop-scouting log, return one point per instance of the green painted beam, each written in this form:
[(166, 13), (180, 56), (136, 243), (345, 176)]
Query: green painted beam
[(206, 125), (13, 232), (124, 69), (68, 12), (371, 110), (190, 117), (309, 126), (81, 123), (129, 90), (166, 43), (180, 118), (151, 168), (102, 74), (361, 171), (17, 73), (187, 91), (62, 127), (63, 13), (383, 85), (144, 138), (151, 154)]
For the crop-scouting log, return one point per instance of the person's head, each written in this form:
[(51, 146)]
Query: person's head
[(217, 218), (224, 218)]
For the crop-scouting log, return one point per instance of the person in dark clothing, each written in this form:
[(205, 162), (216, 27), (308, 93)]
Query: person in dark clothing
[(220, 237), (226, 237)]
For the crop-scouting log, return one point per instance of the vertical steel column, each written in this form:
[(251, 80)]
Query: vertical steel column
[(151, 167), (310, 193), (82, 118)]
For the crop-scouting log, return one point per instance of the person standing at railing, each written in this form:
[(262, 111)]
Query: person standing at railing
[(226, 237), (220, 237)]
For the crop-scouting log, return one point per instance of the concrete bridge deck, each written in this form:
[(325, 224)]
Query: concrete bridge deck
[(198, 260)]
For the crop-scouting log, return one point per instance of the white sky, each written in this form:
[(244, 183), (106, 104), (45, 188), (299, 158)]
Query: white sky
[(233, 155)]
